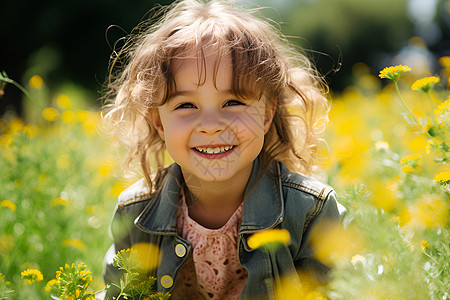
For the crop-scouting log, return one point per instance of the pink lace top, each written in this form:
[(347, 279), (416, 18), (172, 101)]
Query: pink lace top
[(213, 271)]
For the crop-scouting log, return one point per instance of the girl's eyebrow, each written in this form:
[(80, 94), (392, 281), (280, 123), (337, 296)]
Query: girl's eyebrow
[(181, 94)]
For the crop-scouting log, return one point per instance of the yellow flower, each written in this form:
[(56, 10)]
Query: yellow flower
[(394, 73), (68, 116), (424, 245), (32, 275), (49, 284), (50, 114), (425, 84), (445, 106), (384, 194), (357, 258), (405, 159), (106, 167), (75, 243), (118, 188), (408, 169), (427, 213), (63, 101), (8, 204), (30, 130), (332, 242), (269, 238), (59, 201), (36, 81), (442, 178), (148, 255), (445, 61)]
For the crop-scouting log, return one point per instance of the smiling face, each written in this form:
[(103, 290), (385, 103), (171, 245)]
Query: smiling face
[(208, 131)]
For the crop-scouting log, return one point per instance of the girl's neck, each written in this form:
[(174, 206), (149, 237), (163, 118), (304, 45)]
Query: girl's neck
[(211, 204)]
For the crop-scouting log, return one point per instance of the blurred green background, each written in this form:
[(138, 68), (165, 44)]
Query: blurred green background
[(57, 189), (70, 41)]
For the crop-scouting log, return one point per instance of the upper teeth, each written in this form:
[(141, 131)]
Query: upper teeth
[(214, 150)]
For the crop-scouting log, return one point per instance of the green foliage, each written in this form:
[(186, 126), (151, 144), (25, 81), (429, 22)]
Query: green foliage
[(391, 173), (72, 282), (391, 169), (132, 285), (57, 196)]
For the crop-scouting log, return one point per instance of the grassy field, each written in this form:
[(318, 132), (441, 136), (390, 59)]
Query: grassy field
[(390, 170)]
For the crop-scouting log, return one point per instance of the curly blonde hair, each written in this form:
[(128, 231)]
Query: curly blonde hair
[(264, 65)]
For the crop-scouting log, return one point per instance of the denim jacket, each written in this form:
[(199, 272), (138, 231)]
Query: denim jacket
[(289, 201)]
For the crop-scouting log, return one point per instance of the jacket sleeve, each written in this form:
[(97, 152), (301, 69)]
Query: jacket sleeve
[(121, 240), (327, 218)]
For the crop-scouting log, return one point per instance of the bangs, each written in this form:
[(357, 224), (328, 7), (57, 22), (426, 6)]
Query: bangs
[(256, 72)]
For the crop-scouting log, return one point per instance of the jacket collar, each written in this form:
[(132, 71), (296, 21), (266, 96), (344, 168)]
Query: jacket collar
[(263, 203)]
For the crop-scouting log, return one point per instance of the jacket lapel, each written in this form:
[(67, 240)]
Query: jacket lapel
[(263, 204), (160, 215), (263, 201)]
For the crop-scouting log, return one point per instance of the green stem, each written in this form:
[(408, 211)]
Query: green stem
[(432, 106), (410, 112), (21, 88), (277, 284)]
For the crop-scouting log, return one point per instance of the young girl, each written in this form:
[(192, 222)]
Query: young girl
[(238, 112)]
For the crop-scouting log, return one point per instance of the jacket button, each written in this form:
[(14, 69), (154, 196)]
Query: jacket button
[(180, 250), (166, 281)]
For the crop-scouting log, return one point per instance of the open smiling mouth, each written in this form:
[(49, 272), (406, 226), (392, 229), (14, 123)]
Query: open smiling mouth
[(215, 152)]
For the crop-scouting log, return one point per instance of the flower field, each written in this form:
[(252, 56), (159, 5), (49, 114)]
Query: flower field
[(387, 156)]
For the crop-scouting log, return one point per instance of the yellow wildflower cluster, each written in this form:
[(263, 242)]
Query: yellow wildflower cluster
[(32, 275), (443, 107), (411, 163), (442, 178), (410, 157), (71, 282), (426, 213), (425, 84), (394, 72), (89, 120), (50, 284)]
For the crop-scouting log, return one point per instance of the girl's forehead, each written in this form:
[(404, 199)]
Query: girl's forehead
[(201, 56), (201, 66)]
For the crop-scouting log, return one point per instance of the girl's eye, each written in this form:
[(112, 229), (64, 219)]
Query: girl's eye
[(233, 103), (185, 105)]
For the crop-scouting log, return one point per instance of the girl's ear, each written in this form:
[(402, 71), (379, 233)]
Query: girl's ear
[(268, 117), (156, 120)]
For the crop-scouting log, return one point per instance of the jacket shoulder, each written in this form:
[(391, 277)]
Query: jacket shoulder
[(305, 184), (137, 192)]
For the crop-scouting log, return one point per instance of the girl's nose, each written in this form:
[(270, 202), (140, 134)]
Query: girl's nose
[(211, 123)]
